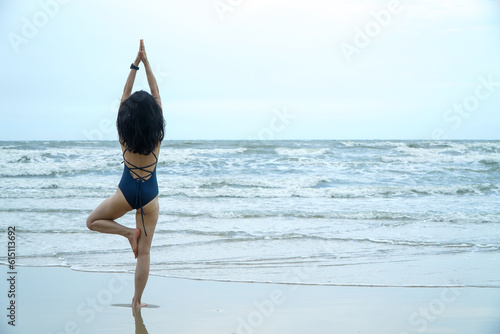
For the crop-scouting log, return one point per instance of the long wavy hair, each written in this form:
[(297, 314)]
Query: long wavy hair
[(140, 123)]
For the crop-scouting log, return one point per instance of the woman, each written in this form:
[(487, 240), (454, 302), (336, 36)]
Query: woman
[(140, 126)]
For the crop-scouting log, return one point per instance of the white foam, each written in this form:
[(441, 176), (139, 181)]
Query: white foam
[(301, 151), (339, 192)]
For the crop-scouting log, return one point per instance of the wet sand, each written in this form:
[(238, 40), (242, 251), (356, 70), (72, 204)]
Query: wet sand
[(59, 300)]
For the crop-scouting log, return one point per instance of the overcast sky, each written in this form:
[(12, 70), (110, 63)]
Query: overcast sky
[(243, 69)]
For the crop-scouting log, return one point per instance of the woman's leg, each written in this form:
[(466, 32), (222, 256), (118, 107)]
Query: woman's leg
[(151, 211), (102, 219)]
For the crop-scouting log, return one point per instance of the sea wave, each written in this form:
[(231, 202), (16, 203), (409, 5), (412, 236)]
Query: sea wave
[(56, 161), (374, 217), (379, 145), (339, 192), (307, 188), (301, 151), (72, 159), (248, 181), (323, 245), (420, 156), (387, 217)]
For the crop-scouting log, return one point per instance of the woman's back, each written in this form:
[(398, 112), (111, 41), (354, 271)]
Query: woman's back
[(142, 165)]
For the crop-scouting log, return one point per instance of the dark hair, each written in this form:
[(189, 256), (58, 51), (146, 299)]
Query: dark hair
[(140, 123)]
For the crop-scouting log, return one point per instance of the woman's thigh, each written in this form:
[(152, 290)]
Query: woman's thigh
[(111, 208)]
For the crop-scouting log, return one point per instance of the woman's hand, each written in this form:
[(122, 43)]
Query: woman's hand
[(141, 55)]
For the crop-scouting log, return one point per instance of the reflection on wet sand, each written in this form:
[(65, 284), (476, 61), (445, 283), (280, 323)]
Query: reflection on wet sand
[(140, 327)]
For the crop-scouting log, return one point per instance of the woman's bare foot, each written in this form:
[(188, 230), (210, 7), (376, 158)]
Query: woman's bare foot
[(138, 304), (133, 239)]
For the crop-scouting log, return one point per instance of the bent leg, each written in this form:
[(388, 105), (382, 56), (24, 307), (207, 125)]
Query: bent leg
[(151, 212), (102, 219)]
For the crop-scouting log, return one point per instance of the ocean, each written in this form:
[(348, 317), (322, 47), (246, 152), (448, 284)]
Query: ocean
[(353, 213)]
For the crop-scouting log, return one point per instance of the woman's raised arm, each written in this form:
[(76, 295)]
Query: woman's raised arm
[(153, 86), (127, 90)]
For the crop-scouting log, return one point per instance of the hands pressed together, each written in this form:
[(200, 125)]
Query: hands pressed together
[(141, 55)]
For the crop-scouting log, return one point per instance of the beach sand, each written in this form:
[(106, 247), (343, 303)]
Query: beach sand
[(59, 300)]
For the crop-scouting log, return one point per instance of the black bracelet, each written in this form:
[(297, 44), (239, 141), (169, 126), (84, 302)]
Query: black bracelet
[(133, 67)]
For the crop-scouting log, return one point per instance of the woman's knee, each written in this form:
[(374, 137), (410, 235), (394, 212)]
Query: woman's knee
[(143, 248), (90, 221)]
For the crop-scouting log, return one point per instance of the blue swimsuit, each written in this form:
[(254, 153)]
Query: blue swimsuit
[(141, 190)]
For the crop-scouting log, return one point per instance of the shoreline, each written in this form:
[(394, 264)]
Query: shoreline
[(343, 285), (61, 300)]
